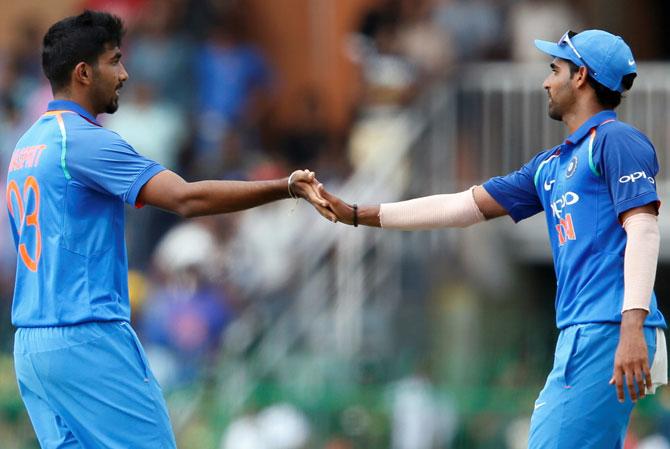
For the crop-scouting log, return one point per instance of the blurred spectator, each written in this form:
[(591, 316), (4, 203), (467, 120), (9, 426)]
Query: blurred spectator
[(232, 78), (26, 52), (21, 80), (243, 433), (302, 145), (183, 323), (389, 76), (419, 421), (280, 426), (516, 435), (538, 19), (427, 45), (161, 56), (284, 427), (655, 441), (183, 318), (475, 26), (10, 128)]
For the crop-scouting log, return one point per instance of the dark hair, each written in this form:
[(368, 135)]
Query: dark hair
[(607, 98), (76, 39)]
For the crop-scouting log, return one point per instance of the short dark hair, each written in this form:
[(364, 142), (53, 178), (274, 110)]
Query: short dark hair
[(607, 98), (76, 39)]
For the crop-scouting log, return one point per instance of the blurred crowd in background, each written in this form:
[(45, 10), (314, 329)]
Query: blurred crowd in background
[(203, 99)]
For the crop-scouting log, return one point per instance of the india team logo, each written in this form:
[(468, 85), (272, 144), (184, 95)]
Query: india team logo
[(572, 167)]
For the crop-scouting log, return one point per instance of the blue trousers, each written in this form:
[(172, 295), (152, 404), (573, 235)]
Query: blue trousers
[(89, 386), (577, 408)]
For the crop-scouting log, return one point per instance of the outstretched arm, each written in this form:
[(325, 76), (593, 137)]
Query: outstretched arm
[(169, 191), (430, 212)]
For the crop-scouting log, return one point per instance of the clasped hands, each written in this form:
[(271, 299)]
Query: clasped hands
[(303, 184)]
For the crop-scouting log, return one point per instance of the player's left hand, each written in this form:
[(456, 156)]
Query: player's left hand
[(305, 185), (631, 362)]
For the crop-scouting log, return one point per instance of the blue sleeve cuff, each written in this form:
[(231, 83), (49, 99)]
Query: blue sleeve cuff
[(503, 199), (148, 173), (638, 201)]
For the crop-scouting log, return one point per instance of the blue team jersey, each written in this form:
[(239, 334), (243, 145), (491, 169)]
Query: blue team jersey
[(67, 183), (603, 169)]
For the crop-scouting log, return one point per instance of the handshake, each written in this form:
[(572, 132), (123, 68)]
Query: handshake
[(303, 184)]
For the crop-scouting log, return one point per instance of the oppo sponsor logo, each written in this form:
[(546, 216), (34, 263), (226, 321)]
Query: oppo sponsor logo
[(567, 199), (634, 177)]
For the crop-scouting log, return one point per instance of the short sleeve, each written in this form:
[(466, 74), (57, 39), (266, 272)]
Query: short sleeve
[(627, 160), (516, 191), (108, 164)]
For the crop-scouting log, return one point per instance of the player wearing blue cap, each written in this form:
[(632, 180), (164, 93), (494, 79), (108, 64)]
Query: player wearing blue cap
[(598, 192), (81, 370)]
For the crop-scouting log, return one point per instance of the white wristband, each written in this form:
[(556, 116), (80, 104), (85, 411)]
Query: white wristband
[(456, 210), (290, 192), (640, 259)]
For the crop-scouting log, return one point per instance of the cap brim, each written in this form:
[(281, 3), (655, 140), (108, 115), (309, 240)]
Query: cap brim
[(553, 49)]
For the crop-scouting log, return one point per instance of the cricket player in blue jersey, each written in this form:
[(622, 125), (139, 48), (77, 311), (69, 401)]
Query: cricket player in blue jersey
[(598, 191), (81, 370)]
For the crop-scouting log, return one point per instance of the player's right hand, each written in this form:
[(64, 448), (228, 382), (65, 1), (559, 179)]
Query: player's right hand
[(305, 185)]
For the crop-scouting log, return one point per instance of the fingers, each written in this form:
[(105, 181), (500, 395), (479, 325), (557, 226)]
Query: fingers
[(329, 206), (325, 212), (306, 177), (630, 384), (641, 387), (312, 195), (302, 175), (617, 380), (636, 380)]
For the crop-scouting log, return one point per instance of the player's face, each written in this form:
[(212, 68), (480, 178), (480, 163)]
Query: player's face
[(109, 76), (559, 89)]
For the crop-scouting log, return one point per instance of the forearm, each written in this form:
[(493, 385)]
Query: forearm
[(430, 212), (640, 261), (456, 210), (216, 197)]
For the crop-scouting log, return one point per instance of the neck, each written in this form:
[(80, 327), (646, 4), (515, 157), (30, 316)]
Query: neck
[(81, 100), (576, 118)]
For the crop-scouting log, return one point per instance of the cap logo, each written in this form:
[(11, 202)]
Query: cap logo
[(631, 62)]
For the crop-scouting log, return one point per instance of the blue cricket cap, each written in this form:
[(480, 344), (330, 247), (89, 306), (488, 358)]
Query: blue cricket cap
[(606, 56)]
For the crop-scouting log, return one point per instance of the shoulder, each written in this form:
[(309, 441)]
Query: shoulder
[(617, 131), (81, 131), (619, 147), (544, 156)]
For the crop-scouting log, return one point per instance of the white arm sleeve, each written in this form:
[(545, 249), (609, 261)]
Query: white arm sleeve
[(640, 259), (456, 210)]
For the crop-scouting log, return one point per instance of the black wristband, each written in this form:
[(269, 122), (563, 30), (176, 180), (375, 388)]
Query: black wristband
[(355, 223)]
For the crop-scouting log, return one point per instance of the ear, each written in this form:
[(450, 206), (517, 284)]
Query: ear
[(83, 73), (581, 77)]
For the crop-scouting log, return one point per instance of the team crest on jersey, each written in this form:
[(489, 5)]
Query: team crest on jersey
[(572, 167)]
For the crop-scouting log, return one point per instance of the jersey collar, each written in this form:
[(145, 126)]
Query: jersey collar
[(588, 125), (66, 105)]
